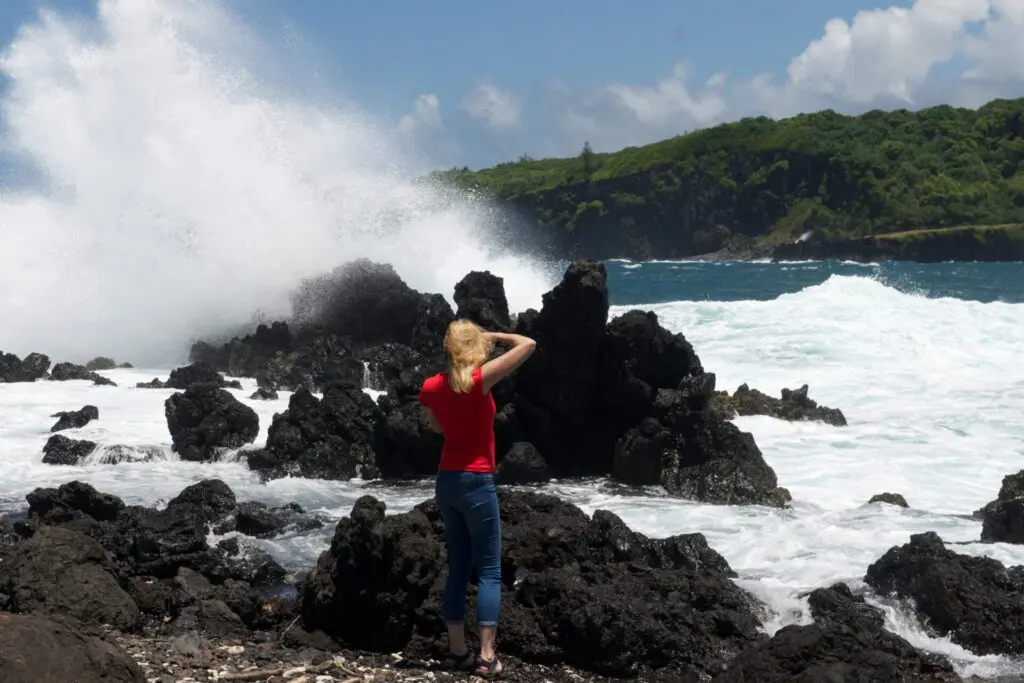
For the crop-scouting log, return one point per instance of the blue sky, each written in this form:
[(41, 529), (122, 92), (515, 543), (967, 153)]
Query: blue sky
[(496, 80)]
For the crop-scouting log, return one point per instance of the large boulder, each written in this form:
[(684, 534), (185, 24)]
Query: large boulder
[(328, 438), (640, 358), (1003, 518), (86, 555), (563, 374), (371, 304), (522, 464), (974, 601), (585, 591), (14, 369), (35, 649), (694, 454), (197, 373), (62, 572), (846, 642), (480, 297), (149, 542), (75, 419), (60, 450), (65, 372), (206, 420), (61, 504)]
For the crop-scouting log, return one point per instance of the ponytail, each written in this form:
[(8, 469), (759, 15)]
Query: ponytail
[(460, 379)]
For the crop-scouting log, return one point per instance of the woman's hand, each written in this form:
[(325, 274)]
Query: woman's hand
[(520, 348)]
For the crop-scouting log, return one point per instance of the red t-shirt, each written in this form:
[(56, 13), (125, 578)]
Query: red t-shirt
[(467, 421)]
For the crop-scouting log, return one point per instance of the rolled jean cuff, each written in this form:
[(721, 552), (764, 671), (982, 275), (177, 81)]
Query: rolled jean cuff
[(493, 624)]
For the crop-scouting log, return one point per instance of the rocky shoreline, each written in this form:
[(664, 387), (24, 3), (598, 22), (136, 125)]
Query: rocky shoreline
[(92, 589), (128, 593)]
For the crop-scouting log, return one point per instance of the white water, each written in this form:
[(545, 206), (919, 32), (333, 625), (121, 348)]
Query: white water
[(185, 184), (931, 416)]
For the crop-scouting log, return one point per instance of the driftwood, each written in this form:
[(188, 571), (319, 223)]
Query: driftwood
[(261, 674)]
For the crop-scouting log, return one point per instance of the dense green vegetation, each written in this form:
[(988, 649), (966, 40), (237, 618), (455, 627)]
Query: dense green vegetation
[(841, 176)]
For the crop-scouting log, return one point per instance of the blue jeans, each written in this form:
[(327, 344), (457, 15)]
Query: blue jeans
[(472, 532)]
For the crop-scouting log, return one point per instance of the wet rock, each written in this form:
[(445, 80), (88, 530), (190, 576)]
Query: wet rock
[(61, 572), (794, 405), (523, 464), (389, 364), (847, 642), (975, 601), (562, 376), (212, 499), (60, 450), (88, 556), (59, 504), (255, 519), (14, 369), (75, 419), (197, 373), (641, 358), (369, 303), (1003, 518), (264, 394), (890, 499), (206, 420), (589, 592), (280, 359), (480, 297), (103, 363), (157, 543), (35, 649), (63, 372), (703, 459), (329, 438), (378, 571), (245, 356), (154, 383), (624, 397), (405, 444)]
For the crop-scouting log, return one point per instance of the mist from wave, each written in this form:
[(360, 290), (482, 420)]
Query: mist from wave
[(175, 184)]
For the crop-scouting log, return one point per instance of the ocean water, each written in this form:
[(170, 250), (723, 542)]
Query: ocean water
[(167, 174), (931, 385)]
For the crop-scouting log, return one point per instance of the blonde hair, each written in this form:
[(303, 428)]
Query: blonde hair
[(467, 349)]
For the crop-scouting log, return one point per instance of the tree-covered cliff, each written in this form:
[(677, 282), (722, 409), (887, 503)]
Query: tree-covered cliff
[(840, 176)]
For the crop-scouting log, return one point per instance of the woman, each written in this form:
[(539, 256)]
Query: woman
[(460, 406)]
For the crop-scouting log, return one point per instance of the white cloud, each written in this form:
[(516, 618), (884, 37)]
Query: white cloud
[(496, 107), (878, 58), (884, 52), (425, 115), (998, 51), (670, 99)]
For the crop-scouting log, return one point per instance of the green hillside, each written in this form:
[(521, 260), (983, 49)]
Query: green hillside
[(842, 176)]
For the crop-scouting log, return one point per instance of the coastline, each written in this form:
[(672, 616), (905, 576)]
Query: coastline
[(580, 590), (965, 244)]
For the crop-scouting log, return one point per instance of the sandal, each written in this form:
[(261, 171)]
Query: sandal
[(463, 662), (489, 668)]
